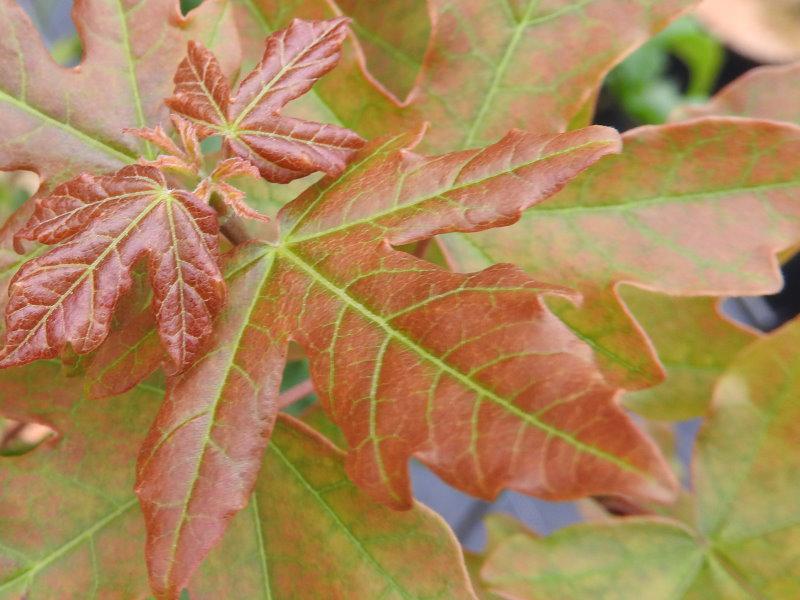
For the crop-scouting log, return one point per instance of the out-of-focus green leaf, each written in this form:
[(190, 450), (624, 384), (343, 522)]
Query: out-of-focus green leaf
[(67, 50), (69, 521), (694, 343), (642, 83), (295, 373), (15, 188)]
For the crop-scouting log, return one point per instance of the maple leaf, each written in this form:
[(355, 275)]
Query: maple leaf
[(619, 342), (282, 148), (680, 226), (61, 122), (447, 367), (304, 506), (743, 541), (104, 225), (495, 65), (490, 65), (694, 342), (132, 350), (348, 96), (764, 93), (77, 526)]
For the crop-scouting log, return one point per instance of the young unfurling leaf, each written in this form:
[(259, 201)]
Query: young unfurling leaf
[(186, 157), (232, 196), (283, 148), (104, 225)]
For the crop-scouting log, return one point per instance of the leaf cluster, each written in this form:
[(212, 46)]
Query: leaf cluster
[(476, 278)]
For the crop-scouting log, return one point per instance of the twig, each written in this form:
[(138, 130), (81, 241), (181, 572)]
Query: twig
[(234, 230), (422, 247), (295, 393)]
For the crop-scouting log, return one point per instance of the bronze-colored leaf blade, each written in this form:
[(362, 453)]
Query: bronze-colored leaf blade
[(470, 190), (480, 351), (67, 296), (294, 58), (202, 92), (459, 367)]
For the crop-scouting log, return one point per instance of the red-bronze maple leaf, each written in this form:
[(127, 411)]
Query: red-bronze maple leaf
[(283, 148), (470, 374), (107, 224)]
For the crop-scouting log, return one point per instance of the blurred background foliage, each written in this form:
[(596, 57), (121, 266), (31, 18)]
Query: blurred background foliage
[(681, 64)]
